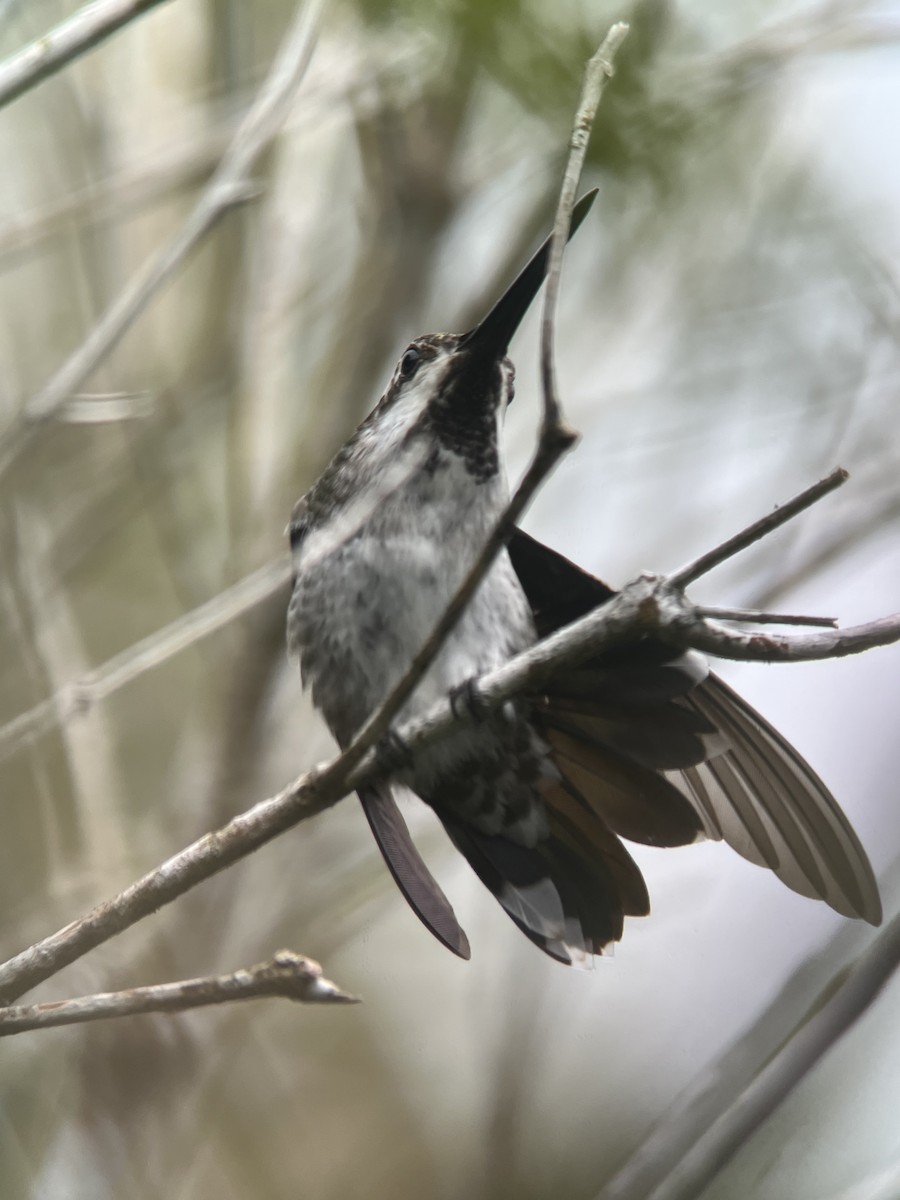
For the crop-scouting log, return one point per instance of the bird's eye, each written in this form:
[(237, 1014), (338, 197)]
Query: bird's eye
[(409, 362)]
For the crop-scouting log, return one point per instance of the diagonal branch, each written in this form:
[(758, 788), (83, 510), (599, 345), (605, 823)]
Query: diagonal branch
[(753, 616), (53, 50), (290, 975), (599, 71), (231, 185), (759, 529), (649, 606)]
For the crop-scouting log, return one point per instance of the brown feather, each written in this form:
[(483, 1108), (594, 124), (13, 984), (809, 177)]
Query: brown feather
[(588, 836), (635, 803), (747, 784)]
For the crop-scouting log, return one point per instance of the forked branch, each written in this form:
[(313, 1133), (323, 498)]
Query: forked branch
[(649, 606), (289, 975)]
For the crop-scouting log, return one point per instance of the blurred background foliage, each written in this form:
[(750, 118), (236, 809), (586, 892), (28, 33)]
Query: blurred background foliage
[(728, 331)]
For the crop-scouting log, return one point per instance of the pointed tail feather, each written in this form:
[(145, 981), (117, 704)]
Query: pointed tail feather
[(543, 908), (411, 875)]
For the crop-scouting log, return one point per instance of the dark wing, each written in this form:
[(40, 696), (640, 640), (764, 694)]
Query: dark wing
[(665, 752), (411, 875)]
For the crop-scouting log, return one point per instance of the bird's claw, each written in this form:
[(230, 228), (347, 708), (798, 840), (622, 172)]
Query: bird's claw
[(467, 702), (392, 753)]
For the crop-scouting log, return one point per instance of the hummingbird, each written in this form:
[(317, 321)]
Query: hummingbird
[(641, 743)]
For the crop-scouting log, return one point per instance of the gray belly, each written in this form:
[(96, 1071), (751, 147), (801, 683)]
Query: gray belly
[(357, 618)]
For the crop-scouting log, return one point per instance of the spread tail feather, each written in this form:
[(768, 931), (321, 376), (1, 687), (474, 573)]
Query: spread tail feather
[(634, 726), (650, 747), (770, 806)]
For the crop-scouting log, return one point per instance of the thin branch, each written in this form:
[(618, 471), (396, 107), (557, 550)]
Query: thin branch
[(839, 539), (555, 439), (753, 616), (649, 606), (231, 185), (52, 51), (759, 529), (290, 975), (83, 693), (598, 72), (743, 646), (199, 861), (780, 1076)]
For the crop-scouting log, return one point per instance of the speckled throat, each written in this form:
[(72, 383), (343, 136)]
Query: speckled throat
[(462, 417)]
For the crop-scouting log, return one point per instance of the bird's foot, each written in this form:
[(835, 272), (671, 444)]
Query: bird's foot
[(392, 754), (467, 702)]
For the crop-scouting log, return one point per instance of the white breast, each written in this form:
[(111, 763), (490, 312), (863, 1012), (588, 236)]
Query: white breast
[(373, 582)]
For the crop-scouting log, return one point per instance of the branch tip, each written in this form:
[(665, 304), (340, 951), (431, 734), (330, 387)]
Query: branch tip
[(759, 529), (288, 975)]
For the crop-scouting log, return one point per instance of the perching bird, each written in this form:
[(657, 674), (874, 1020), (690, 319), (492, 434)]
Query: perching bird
[(641, 743)]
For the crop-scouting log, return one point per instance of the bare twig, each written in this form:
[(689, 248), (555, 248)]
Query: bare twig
[(231, 185), (598, 72), (290, 975), (759, 529), (840, 538), (54, 50), (710, 1153), (741, 646), (650, 606), (753, 616), (555, 439), (90, 689)]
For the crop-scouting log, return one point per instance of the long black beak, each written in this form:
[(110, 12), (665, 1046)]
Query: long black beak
[(492, 335)]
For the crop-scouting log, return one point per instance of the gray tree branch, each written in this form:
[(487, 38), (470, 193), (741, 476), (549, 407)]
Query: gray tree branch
[(649, 606), (290, 975), (53, 50)]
